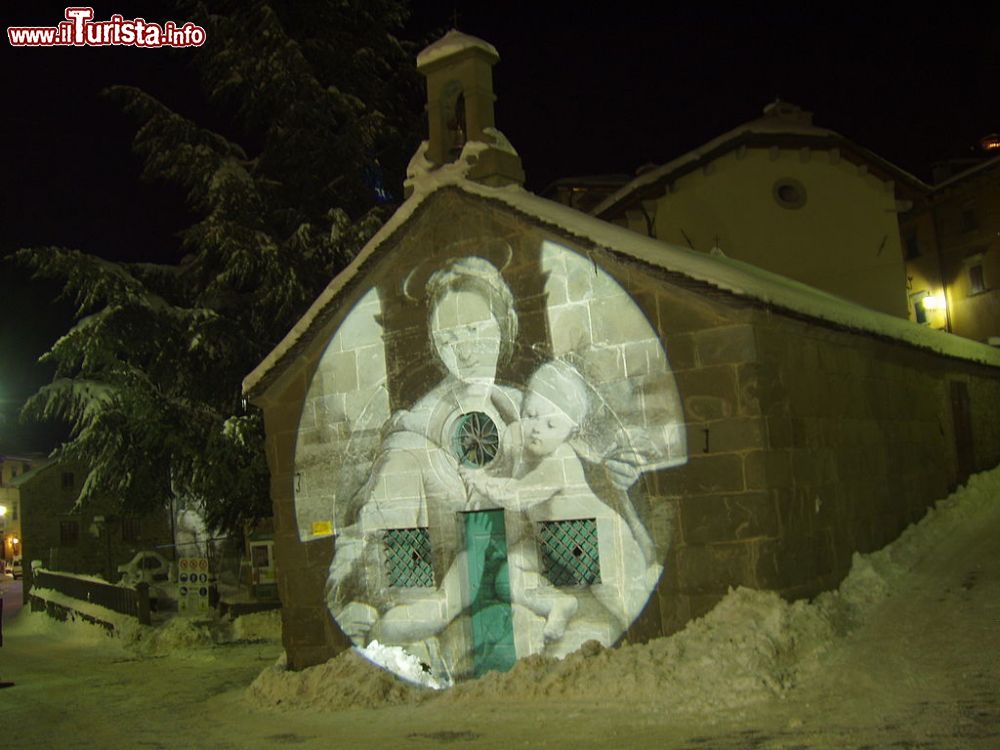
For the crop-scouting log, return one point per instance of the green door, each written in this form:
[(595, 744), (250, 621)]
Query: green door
[(489, 592)]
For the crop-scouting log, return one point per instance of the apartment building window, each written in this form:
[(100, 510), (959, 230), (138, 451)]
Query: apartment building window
[(13, 510), (977, 281), (919, 311), (131, 529), (969, 220), (69, 533), (67, 480)]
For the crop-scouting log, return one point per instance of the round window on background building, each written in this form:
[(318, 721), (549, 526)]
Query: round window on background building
[(789, 193)]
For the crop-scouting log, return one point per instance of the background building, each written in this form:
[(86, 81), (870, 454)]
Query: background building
[(787, 196), (951, 240), (11, 467), (93, 539)]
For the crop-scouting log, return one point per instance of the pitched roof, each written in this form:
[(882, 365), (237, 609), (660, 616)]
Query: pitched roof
[(720, 272), (782, 124), (452, 43), (970, 172), (32, 473)]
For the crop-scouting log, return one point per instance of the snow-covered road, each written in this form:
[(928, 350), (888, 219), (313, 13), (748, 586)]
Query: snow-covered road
[(918, 668)]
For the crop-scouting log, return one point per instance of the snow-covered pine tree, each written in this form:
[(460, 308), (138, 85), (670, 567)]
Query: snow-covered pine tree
[(315, 99)]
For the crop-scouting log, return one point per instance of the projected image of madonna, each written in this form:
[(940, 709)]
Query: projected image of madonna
[(389, 558), (469, 545)]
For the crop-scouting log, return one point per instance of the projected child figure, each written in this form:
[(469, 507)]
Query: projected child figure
[(542, 477)]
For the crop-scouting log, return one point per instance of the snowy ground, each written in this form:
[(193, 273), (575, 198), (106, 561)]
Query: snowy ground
[(905, 655)]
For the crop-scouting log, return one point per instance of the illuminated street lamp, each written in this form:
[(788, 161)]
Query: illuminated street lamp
[(934, 302)]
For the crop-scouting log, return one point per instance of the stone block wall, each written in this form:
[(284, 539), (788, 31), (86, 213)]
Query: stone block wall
[(805, 442)]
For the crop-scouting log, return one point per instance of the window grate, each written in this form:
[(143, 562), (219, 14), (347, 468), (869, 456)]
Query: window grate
[(570, 553), (408, 557)]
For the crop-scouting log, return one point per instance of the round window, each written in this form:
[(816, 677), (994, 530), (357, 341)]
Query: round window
[(476, 439), (789, 193)]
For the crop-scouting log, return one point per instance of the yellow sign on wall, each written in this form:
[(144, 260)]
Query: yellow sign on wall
[(322, 528)]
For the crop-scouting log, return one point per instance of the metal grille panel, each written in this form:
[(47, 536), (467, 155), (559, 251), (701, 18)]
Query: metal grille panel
[(408, 557), (476, 439), (569, 552)]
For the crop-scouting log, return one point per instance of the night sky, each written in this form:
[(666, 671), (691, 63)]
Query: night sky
[(582, 90)]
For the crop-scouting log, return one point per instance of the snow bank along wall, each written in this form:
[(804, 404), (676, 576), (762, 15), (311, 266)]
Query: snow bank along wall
[(498, 439)]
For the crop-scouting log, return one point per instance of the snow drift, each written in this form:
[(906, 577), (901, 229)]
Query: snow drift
[(752, 646)]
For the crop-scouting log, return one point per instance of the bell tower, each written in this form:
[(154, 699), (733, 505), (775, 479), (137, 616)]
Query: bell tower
[(459, 73)]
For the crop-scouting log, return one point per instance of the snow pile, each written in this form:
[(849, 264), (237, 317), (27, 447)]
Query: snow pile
[(752, 646), (193, 637), (401, 662), (258, 626), (743, 651), (177, 636), (75, 629), (123, 626), (345, 682)]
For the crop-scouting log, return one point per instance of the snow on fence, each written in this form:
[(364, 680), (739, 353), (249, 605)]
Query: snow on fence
[(87, 589)]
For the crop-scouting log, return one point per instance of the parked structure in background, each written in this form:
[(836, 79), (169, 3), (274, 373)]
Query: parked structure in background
[(94, 539), (12, 467), (784, 195), (951, 241)]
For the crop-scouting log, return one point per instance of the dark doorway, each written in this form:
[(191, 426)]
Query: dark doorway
[(961, 415)]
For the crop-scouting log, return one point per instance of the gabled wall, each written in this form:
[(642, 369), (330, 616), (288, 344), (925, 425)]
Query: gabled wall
[(843, 238), (802, 442)]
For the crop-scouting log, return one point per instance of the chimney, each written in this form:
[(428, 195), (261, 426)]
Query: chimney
[(459, 73)]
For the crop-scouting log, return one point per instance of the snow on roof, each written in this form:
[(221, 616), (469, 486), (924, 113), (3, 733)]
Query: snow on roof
[(718, 271), (451, 43), (968, 173), (780, 119)]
